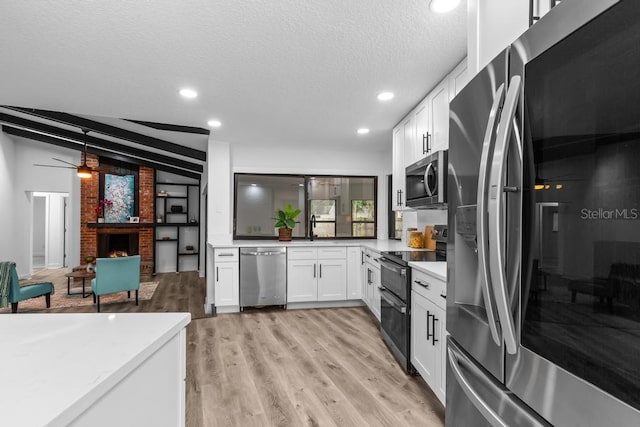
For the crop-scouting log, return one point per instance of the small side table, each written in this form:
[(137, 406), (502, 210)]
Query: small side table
[(79, 274)]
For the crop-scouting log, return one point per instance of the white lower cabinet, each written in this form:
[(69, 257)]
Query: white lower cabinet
[(316, 274), (227, 277), (372, 282), (302, 282), (355, 259), (429, 331)]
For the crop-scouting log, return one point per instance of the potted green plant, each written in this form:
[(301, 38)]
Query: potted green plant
[(286, 221)]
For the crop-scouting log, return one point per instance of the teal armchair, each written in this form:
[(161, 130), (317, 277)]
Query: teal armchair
[(116, 275), (19, 293)]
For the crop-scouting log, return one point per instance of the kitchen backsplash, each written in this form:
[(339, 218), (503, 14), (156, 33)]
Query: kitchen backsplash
[(421, 218)]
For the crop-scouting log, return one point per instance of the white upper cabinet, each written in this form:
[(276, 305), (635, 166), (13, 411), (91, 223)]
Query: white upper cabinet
[(439, 100), (398, 196), (423, 129), (409, 129), (458, 78)]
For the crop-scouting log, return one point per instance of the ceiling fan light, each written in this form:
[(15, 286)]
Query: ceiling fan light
[(84, 171)]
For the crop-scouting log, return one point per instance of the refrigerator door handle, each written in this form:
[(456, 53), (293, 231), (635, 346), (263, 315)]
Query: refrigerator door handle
[(481, 214), (455, 360), (496, 215)]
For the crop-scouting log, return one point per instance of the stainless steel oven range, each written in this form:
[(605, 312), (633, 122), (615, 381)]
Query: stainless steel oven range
[(395, 295)]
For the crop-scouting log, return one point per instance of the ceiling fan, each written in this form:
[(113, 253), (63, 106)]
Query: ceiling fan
[(83, 170)]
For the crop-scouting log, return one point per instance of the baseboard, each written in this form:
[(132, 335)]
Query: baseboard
[(325, 304)]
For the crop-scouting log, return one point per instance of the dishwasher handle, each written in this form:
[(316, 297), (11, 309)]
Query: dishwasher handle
[(263, 253)]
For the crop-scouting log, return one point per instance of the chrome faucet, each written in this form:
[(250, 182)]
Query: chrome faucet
[(312, 225)]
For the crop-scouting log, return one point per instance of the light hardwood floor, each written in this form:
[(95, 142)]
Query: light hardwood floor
[(320, 367)]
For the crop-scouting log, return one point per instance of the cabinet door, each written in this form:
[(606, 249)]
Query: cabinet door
[(423, 129), (424, 354), (398, 177), (410, 150), (458, 78), (442, 343), (354, 273), (302, 282), (332, 280), (440, 117), (227, 282), (375, 292)]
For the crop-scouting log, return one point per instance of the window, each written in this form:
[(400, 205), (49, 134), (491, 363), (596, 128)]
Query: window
[(362, 218), (344, 206)]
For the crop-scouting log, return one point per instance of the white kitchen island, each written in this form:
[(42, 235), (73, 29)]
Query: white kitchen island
[(124, 369)]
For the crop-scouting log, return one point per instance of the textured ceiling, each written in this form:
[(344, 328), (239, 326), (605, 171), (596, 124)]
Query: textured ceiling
[(284, 72)]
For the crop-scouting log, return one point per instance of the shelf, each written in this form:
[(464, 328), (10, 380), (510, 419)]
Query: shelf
[(176, 213), (171, 197), (175, 183), (166, 240), (176, 224)]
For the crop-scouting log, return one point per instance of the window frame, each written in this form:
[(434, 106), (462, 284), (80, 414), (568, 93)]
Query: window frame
[(306, 220)]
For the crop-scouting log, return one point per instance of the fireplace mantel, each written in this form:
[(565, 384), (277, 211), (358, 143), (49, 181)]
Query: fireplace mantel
[(120, 225)]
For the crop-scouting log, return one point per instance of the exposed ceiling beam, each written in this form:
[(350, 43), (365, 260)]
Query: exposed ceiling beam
[(98, 142), (97, 151), (113, 131), (172, 128)]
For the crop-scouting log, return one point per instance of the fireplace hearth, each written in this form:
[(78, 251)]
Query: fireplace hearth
[(112, 245)]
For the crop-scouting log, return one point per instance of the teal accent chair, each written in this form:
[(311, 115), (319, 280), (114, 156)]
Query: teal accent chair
[(116, 275), (19, 293)]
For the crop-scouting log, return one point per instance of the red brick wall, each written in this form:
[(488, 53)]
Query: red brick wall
[(89, 196)]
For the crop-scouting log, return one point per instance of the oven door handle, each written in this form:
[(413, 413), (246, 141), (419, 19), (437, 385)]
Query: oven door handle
[(497, 239), (389, 265), (393, 301), (481, 214)]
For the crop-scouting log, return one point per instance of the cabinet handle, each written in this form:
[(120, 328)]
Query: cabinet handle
[(433, 335), (428, 318), (361, 257), (400, 201), (424, 143), (368, 276), (217, 276), (226, 254), (443, 296), (423, 284), (321, 271), (314, 271), (398, 197), (428, 142)]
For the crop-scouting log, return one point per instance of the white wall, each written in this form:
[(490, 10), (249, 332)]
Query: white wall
[(8, 234), (421, 218), (28, 179), (491, 27)]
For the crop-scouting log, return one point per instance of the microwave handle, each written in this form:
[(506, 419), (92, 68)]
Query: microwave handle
[(496, 214), (430, 190), (481, 214)]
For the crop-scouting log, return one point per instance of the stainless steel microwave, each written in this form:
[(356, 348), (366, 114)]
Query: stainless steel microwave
[(426, 182)]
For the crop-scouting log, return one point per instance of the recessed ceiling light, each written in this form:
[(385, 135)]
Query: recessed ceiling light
[(385, 96), (188, 93), (363, 131), (443, 6), (214, 123)]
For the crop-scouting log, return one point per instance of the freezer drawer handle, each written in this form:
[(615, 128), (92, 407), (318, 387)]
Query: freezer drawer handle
[(477, 401), (226, 254)]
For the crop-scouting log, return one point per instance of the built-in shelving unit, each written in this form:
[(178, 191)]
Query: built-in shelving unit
[(177, 210)]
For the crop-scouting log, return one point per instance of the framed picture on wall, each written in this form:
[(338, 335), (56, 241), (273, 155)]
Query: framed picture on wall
[(120, 191)]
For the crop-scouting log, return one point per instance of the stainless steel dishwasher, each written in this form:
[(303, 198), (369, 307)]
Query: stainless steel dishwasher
[(263, 277)]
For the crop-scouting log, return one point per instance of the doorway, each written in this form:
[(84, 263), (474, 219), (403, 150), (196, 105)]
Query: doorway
[(49, 235)]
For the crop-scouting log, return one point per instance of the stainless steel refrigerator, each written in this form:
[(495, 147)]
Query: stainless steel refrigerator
[(543, 301)]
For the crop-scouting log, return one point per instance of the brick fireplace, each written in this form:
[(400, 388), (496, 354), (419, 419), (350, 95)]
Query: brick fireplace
[(90, 230)]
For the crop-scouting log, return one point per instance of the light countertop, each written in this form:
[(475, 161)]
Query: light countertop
[(55, 366), (437, 269), (376, 245)]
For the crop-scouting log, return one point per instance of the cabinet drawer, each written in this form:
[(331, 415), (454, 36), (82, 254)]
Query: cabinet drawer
[(302, 253), (429, 287), (372, 257), (226, 254), (332, 253)]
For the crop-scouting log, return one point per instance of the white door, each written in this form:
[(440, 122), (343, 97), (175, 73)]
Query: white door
[(398, 178), (375, 292), (440, 116), (354, 273), (410, 151), (423, 129), (424, 355), (302, 282), (332, 280)]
